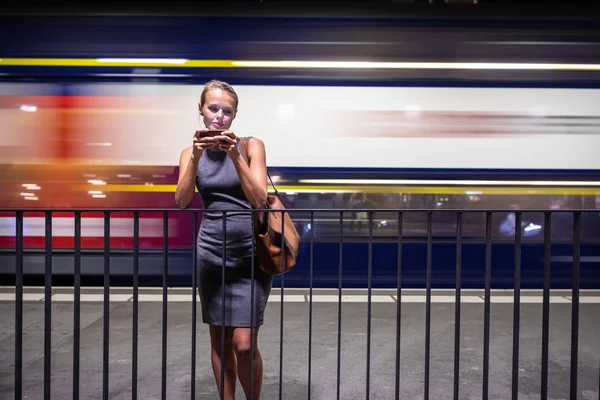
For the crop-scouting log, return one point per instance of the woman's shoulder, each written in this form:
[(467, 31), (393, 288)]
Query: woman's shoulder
[(253, 141), (185, 153), (186, 150)]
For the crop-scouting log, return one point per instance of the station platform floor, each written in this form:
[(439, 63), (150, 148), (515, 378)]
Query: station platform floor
[(324, 367)]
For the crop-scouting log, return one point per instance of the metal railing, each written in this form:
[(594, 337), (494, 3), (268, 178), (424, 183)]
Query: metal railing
[(309, 240)]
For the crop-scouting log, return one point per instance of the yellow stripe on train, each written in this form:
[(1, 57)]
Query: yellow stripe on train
[(117, 62), (377, 189)]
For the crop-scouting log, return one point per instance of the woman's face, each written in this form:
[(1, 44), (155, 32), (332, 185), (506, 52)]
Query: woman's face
[(218, 110)]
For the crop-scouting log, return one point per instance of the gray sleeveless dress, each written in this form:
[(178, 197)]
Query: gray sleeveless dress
[(220, 189)]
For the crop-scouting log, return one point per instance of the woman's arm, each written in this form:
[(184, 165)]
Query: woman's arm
[(253, 176), (188, 167)]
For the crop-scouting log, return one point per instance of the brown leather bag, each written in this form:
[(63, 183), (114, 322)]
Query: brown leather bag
[(268, 232)]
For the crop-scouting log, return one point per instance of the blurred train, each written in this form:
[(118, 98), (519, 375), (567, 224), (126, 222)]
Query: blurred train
[(357, 114)]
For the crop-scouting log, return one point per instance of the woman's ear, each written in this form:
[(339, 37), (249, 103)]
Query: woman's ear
[(200, 109)]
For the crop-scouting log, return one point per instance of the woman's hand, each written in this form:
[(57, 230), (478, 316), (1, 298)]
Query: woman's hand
[(201, 143), (228, 143)]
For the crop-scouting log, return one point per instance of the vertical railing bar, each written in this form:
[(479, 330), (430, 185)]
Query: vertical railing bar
[(516, 307), (48, 308), (165, 305), (457, 301), (575, 305), (428, 304), (252, 305), (339, 327), (546, 304), (282, 304), (223, 325), (370, 284), (105, 334), (398, 305), (19, 307), (486, 309), (134, 322), (310, 299), (194, 278), (76, 305)]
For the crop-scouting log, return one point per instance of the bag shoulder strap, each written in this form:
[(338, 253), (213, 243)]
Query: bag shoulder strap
[(244, 147)]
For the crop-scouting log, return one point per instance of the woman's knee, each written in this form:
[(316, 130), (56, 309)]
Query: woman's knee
[(241, 342)]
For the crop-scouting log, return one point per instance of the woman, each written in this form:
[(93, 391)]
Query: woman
[(226, 181)]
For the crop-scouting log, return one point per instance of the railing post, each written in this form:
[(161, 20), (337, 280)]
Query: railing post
[(516, 307), (546, 305), (252, 305), (19, 308), (281, 308), (48, 308), (310, 303), (575, 305), (339, 326), (136, 277), (194, 283), (398, 305), (459, 226), (106, 319), (369, 285), (223, 325), (428, 304), (77, 305), (486, 312), (165, 305)]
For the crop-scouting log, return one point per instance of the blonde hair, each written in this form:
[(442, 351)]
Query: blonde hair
[(217, 84)]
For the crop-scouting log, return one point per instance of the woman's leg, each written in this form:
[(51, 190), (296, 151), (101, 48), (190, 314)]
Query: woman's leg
[(230, 362), (241, 346)]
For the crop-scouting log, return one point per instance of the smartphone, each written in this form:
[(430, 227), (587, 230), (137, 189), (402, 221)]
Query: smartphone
[(210, 133)]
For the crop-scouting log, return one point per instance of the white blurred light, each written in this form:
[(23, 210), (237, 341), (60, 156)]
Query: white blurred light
[(416, 65), (95, 192), (143, 60), (89, 175), (96, 182), (28, 108), (446, 182), (27, 194), (532, 227), (99, 196), (123, 175), (31, 198), (31, 186), (99, 144)]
